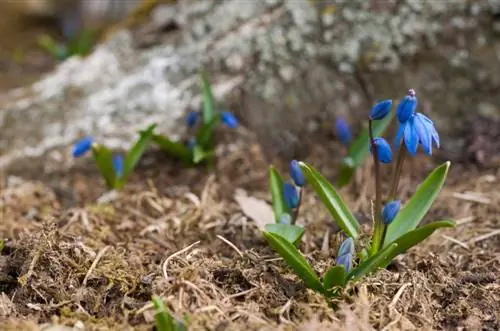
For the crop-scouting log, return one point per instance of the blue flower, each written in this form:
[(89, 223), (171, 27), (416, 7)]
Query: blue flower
[(345, 254), (192, 118), (83, 146), (390, 211), (291, 194), (418, 129), (118, 165), (384, 151), (381, 109), (343, 131), (297, 174), (191, 143), (407, 106), (229, 120), (286, 219)]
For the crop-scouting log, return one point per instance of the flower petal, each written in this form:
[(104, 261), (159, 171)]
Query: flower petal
[(423, 129), (411, 136), (400, 135)]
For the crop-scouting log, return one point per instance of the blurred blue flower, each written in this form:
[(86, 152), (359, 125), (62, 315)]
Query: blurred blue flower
[(407, 106), (286, 219), (297, 173), (381, 109), (343, 130), (229, 120), (384, 151), (418, 129), (82, 146), (192, 118), (118, 165), (291, 194), (346, 254), (390, 211), (191, 143)]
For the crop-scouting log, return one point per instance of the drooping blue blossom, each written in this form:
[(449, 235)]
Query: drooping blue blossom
[(118, 164), (191, 143), (192, 118), (384, 151), (346, 254), (407, 106), (229, 120), (297, 173), (291, 194), (343, 130), (381, 110), (390, 211), (419, 129), (82, 146)]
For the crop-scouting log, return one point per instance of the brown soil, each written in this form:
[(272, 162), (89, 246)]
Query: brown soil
[(178, 233)]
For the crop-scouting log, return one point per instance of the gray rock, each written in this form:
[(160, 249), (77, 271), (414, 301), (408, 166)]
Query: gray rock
[(276, 63)]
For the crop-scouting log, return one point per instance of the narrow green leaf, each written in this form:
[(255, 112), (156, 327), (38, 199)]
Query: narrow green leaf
[(198, 154), (292, 233), (332, 200), (335, 277), (276, 183), (205, 134), (416, 236), (103, 157), (416, 208), (174, 148), (347, 170), (295, 260), (164, 320), (208, 99), (135, 153), (376, 261)]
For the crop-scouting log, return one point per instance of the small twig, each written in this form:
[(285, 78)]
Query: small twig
[(398, 295), (233, 246), (94, 264), (232, 296), (472, 197), (456, 241), (484, 236), (164, 266)]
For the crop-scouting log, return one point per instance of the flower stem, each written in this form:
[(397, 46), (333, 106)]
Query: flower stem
[(296, 210), (378, 229)]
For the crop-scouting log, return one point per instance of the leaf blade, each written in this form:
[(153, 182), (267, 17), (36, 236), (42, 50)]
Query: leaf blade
[(174, 148), (292, 233), (164, 320), (276, 184), (103, 157), (208, 99), (332, 200), (416, 208), (335, 277), (135, 153), (372, 263)]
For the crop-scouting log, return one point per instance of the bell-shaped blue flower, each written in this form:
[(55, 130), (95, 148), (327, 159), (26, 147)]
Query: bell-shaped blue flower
[(407, 106), (343, 131), (419, 129), (297, 173), (381, 109), (291, 194), (118, 165), (83, 146), (384, 151), (229, 120), (346, 254), (390, 211), (192, 118)]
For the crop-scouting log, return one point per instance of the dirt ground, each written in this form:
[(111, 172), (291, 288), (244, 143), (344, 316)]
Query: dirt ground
[(180, 234)]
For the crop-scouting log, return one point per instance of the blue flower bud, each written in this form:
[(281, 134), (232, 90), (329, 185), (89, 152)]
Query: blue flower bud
[(343, 131), (347, 247), (82, 146), (291, 194), (192, 118), (407, 106), (118, 165), (297, 174), (381, 109), (191, 143), (383, 150), (286, 219), (346, 261), (390, 211), (229, 120)]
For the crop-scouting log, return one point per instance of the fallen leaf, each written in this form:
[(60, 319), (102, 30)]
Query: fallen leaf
[(256, 209)]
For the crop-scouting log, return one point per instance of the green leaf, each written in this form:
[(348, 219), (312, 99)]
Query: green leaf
[(103, 157), (174, 148), (83, 43), (332, 200), (206, 132), (198, 154), (376, 261), (335, 277), (278, 196), (295, 260), (164, 320), (208, 99), (135, 153), (416, 236), (347, 170), (292, 233), (416, 208)]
